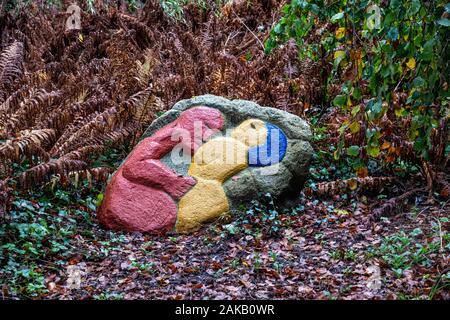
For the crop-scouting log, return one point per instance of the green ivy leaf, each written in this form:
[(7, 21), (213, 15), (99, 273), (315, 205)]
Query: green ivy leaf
[(357, 94), (427, 53), (373, 151), (395, 4), (444, 22), (337, 16), (419, 82), (375, 106), (355, 110), (315, 8), (278, 28), (340, 100), (99, 200), (415, 7), (393, 33), (353, 151)]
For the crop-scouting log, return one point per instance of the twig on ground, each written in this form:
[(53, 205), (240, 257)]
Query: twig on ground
[(393, 204), (342, 186), (441, 242)]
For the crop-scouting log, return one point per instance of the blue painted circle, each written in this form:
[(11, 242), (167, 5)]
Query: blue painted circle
[(272, 151)]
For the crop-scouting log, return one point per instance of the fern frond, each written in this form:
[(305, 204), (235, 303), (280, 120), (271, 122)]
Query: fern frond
[(43, 172), (11, 67), (28, 143)]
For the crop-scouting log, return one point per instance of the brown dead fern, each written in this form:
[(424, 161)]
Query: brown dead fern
[(65, 100)]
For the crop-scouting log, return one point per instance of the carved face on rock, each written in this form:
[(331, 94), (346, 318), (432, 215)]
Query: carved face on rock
[(196, 125), (266, 152)]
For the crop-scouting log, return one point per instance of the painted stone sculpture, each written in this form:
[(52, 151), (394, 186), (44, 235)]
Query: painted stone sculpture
[(238, 150)]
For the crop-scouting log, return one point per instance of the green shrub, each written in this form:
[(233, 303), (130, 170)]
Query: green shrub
[(389, 61)]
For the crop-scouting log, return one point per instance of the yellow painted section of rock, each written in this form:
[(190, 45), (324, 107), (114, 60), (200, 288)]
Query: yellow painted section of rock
[(206, 201), (212, 164), (252, 132), (219, 159)]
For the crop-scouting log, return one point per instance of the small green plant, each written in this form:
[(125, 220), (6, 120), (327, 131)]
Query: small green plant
[(336, 254), (109, 296), (442, 283), (350, 255), (174, 8), (257, 262), (234, 264), (402, 251), (144, 267), (261, 219), (340, 254), (276, 264), (348, 271)]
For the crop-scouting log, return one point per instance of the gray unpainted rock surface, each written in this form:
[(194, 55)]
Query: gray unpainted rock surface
[(293, 168)]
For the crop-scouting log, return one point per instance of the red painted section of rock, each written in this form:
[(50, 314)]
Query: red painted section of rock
[(130, 206), (141, 195)]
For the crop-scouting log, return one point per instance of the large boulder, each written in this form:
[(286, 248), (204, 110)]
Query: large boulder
[(203, 158)]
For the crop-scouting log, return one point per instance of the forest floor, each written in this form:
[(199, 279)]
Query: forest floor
[(77, 102), (319, 249)]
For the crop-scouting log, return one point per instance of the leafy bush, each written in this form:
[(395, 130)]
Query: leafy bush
[(37, 232), (174, 8), (388, 71)]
